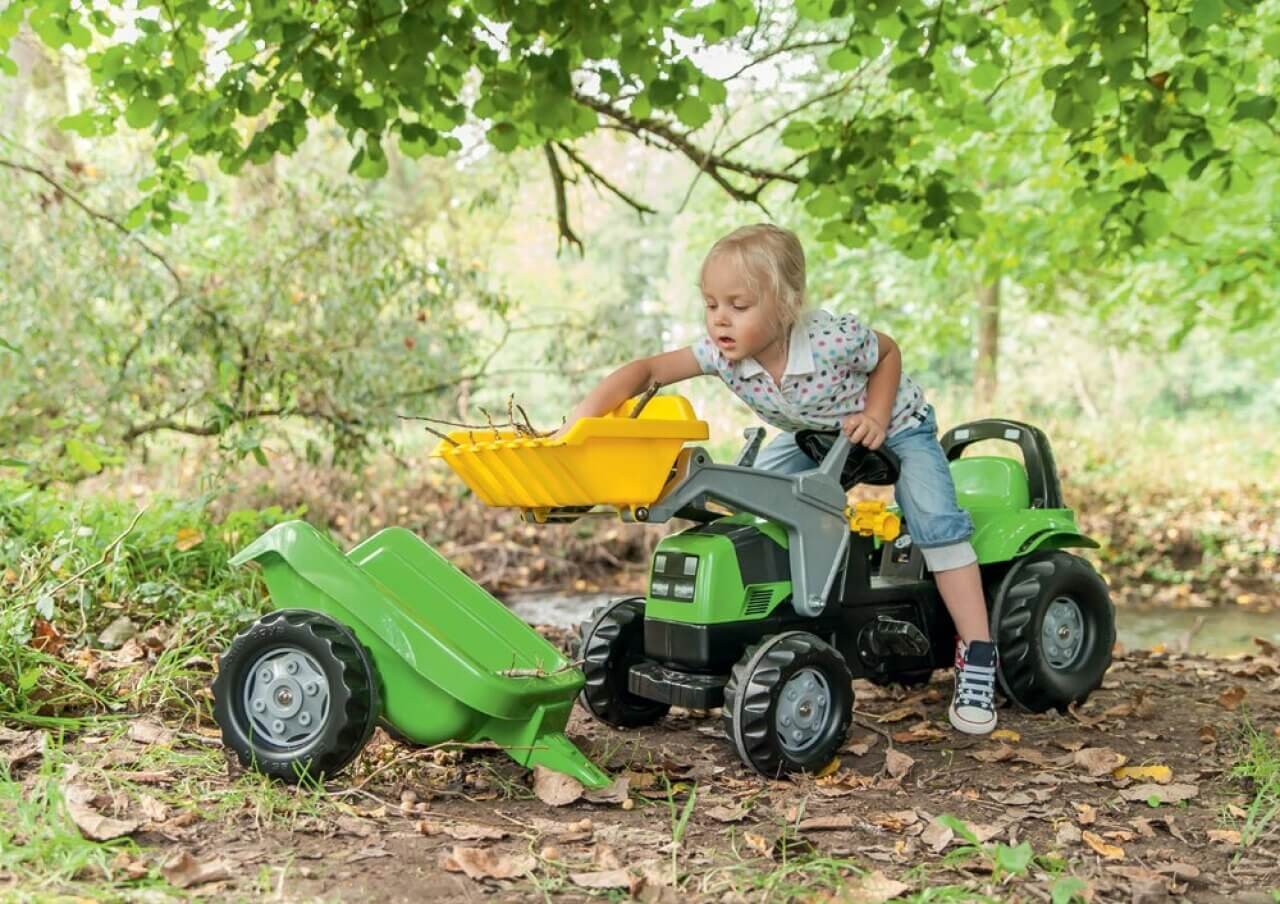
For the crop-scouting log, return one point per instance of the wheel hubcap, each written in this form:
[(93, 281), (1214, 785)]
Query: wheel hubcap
[(287, 697), (804, 709), (1062, 636)]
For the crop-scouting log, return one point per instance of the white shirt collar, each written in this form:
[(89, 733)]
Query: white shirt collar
[(799, 355)]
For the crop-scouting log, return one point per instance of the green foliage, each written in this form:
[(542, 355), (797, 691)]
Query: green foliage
[(171, 567), (1143, 95)]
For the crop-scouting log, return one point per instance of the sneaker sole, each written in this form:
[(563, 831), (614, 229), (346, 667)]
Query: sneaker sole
[(961, 724)]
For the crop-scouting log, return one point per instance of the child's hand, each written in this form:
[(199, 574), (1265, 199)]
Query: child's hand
[(864, 428)]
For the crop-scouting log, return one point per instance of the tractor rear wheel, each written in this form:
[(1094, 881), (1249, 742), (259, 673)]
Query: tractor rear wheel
[(788, 704), (612, 642), (296, 695), (1054, 626)]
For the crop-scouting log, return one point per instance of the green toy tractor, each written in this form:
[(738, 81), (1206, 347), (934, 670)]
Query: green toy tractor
[(768, 607), (771, 611)]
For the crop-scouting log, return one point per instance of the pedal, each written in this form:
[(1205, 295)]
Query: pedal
[(891, 636)]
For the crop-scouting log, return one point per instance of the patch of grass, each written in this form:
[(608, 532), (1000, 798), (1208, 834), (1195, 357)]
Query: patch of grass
[(1258, 770), (43, 852), (70, 567)]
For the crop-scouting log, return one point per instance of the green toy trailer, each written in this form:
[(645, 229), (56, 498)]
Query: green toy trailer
[(390, 631)]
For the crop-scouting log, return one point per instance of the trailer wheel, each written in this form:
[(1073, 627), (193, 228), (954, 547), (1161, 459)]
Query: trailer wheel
[(613, 641), (1054, 625), (296, 695), (788, 704)]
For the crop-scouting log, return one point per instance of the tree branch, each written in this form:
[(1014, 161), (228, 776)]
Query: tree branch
[(714, 164), (601, 181), (562, 205), (96, 214)]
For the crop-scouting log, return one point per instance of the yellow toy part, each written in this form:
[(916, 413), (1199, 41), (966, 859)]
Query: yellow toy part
[(615, 460), (870, 518)]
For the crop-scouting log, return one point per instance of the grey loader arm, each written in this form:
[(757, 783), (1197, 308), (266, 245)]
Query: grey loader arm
[(810, 505)]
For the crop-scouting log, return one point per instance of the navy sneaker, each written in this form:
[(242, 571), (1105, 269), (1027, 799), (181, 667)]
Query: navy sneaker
[(973, 707)]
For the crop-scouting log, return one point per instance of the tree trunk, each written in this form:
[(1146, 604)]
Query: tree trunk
[(988, 341)]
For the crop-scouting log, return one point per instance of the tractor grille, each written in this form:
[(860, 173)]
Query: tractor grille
[(758, 601)]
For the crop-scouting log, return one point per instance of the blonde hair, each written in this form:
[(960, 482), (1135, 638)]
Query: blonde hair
[(772, 264)]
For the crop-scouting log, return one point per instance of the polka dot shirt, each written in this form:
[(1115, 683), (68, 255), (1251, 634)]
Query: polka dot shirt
[(825, 379)]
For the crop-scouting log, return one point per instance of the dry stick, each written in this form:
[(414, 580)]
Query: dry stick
[(880, 731), (644, 399), (443, 436), (88, 568), (541, 673), (423, 751)]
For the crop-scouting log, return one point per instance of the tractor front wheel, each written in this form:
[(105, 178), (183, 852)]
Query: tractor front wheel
[(1054, 625), (612, 642), (788, 704), (296, 695)]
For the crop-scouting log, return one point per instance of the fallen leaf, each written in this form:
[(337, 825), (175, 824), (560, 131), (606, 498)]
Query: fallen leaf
[(1068, 834), (1099, 761), (46, 638), (897, 764), (1231, 697), (874, 888), (919, 733), (153, 809), (937, 836), (830, 769), (150, 731), (461, 831), (612, 878), (184, 871), (998, 755), (188, 538), (92, 824), (479, 863), (132, 867), (759, 844), (897, 715), (1208, 734), (1160, 774), (862, 745), (1165, 794), (896, 822), (1106, 851), (1087, 814), (826, 823), (1224, 836), (1006, 734), (555, 788), (618, 791), (32, 746), (728, 814)]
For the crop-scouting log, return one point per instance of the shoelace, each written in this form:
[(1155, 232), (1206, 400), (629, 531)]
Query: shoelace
[(976, 686)]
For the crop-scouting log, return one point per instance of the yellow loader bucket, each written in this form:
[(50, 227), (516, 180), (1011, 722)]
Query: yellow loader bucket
[(614, 460)]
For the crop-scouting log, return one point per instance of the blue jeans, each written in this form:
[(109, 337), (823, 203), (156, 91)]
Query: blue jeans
[(924, 492)]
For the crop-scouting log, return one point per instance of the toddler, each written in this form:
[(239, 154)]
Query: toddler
[(799, 368)]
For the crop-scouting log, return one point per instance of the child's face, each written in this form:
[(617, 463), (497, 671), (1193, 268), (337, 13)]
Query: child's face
[(739, 322)]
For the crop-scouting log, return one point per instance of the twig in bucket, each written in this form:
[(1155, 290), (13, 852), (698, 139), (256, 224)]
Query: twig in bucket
[(644, 399), (444, 436)]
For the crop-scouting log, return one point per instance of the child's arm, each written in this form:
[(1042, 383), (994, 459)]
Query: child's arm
[(633, 379), (871, 425)]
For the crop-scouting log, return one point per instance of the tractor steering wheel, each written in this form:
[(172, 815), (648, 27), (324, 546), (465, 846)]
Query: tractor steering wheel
[(878, 467)]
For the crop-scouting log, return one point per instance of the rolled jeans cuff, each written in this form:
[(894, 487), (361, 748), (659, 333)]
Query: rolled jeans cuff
[(949, 557)]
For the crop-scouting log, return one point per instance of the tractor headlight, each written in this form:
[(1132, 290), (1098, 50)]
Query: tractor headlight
[(674, 576)]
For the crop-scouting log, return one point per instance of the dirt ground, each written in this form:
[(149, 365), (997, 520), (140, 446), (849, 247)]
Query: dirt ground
[(408, 825)]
